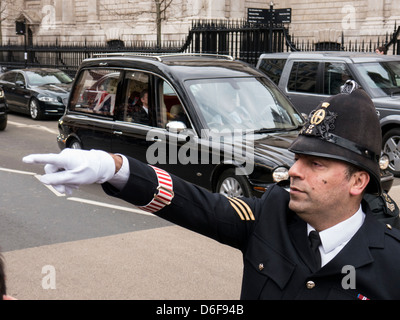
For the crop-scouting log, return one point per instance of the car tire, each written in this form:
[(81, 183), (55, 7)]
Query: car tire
[(34, 109), (391, 146), (232, 185), (3, 124), (74, 144)]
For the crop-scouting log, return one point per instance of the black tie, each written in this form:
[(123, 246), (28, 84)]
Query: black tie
[(315, 242)]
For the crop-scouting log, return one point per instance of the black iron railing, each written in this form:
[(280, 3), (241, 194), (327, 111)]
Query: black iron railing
[(240, 39)]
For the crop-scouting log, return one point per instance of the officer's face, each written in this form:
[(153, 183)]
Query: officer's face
[(321, 191)]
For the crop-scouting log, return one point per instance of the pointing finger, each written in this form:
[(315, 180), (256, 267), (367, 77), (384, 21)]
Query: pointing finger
[(51, 158)]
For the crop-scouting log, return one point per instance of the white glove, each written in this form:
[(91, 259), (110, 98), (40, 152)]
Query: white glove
[(71, 168)]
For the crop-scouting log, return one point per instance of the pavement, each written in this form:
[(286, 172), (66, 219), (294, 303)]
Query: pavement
[(68, 248), (161, 264)]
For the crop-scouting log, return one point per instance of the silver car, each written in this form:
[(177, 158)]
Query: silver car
[(307, 78)]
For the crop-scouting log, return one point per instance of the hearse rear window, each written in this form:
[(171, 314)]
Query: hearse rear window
[(95, 92)]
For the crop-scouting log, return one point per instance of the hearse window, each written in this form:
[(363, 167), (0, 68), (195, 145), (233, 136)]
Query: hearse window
[(96, 91), (303, 77), (135, 99), (171, 107)]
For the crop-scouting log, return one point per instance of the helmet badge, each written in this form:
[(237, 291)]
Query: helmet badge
[(319, 115), (321, 122)]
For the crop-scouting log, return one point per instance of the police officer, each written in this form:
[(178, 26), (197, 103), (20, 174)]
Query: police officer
[(318, 241)]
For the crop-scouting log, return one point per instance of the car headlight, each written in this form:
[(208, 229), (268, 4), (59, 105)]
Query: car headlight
[(280, 174), (1, 93), (383, 162), (47, 99)]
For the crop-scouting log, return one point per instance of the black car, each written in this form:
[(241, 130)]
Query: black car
[(307, 78), (211, 120), (3, 111), (38, 92)]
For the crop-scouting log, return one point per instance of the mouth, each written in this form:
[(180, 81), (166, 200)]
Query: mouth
[(295, 190)]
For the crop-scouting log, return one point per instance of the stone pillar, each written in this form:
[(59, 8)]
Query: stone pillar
[(374, 21), (206, 9), (237, 9), (394, 15), (216, 9), (58, 11), (64, 12), (374, 9), (93, 11), (68, 8)]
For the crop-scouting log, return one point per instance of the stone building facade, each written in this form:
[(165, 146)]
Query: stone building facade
[(99, 21)]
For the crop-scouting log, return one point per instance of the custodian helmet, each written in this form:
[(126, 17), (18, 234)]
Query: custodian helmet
[(345, 127)]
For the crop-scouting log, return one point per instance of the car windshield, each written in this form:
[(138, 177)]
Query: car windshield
[(248, 104), (40, 78), (383, 78)]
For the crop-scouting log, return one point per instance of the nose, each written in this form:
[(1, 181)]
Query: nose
[(296, 170)]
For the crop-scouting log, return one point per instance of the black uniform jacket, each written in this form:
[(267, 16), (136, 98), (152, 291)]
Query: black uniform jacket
[(274, 244)]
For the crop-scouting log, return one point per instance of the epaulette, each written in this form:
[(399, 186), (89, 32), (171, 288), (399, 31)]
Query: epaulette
[(392, 231), (242, 209)]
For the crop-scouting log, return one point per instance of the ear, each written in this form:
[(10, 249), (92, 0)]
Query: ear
[(359, 181)]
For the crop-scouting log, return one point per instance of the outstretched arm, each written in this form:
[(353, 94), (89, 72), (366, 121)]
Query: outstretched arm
[(226, 220)]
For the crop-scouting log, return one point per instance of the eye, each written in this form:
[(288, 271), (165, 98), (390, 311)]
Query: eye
[(317, 163)]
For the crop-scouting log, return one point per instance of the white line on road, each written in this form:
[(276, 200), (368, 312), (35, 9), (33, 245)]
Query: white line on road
[(107, 205), (96, 203), (58, 194), (34, 126), (17, 171)]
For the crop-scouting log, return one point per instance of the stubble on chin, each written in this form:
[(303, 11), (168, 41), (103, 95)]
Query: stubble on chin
[(294, 203)]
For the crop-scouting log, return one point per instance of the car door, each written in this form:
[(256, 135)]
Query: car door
[(178, 151), (131, 124), (21, 92)]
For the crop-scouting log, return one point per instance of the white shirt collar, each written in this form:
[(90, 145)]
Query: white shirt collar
[(341, 233)]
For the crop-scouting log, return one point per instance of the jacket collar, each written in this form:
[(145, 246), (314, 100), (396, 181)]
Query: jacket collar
[(355, 253)]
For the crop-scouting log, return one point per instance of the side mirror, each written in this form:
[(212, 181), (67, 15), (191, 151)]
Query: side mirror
[(20, 83), (176, 126)]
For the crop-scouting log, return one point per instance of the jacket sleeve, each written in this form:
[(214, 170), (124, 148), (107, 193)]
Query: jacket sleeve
[(229, 221)]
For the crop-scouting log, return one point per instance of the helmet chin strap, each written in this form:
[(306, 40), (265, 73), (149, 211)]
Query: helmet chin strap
[(350, 145)]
